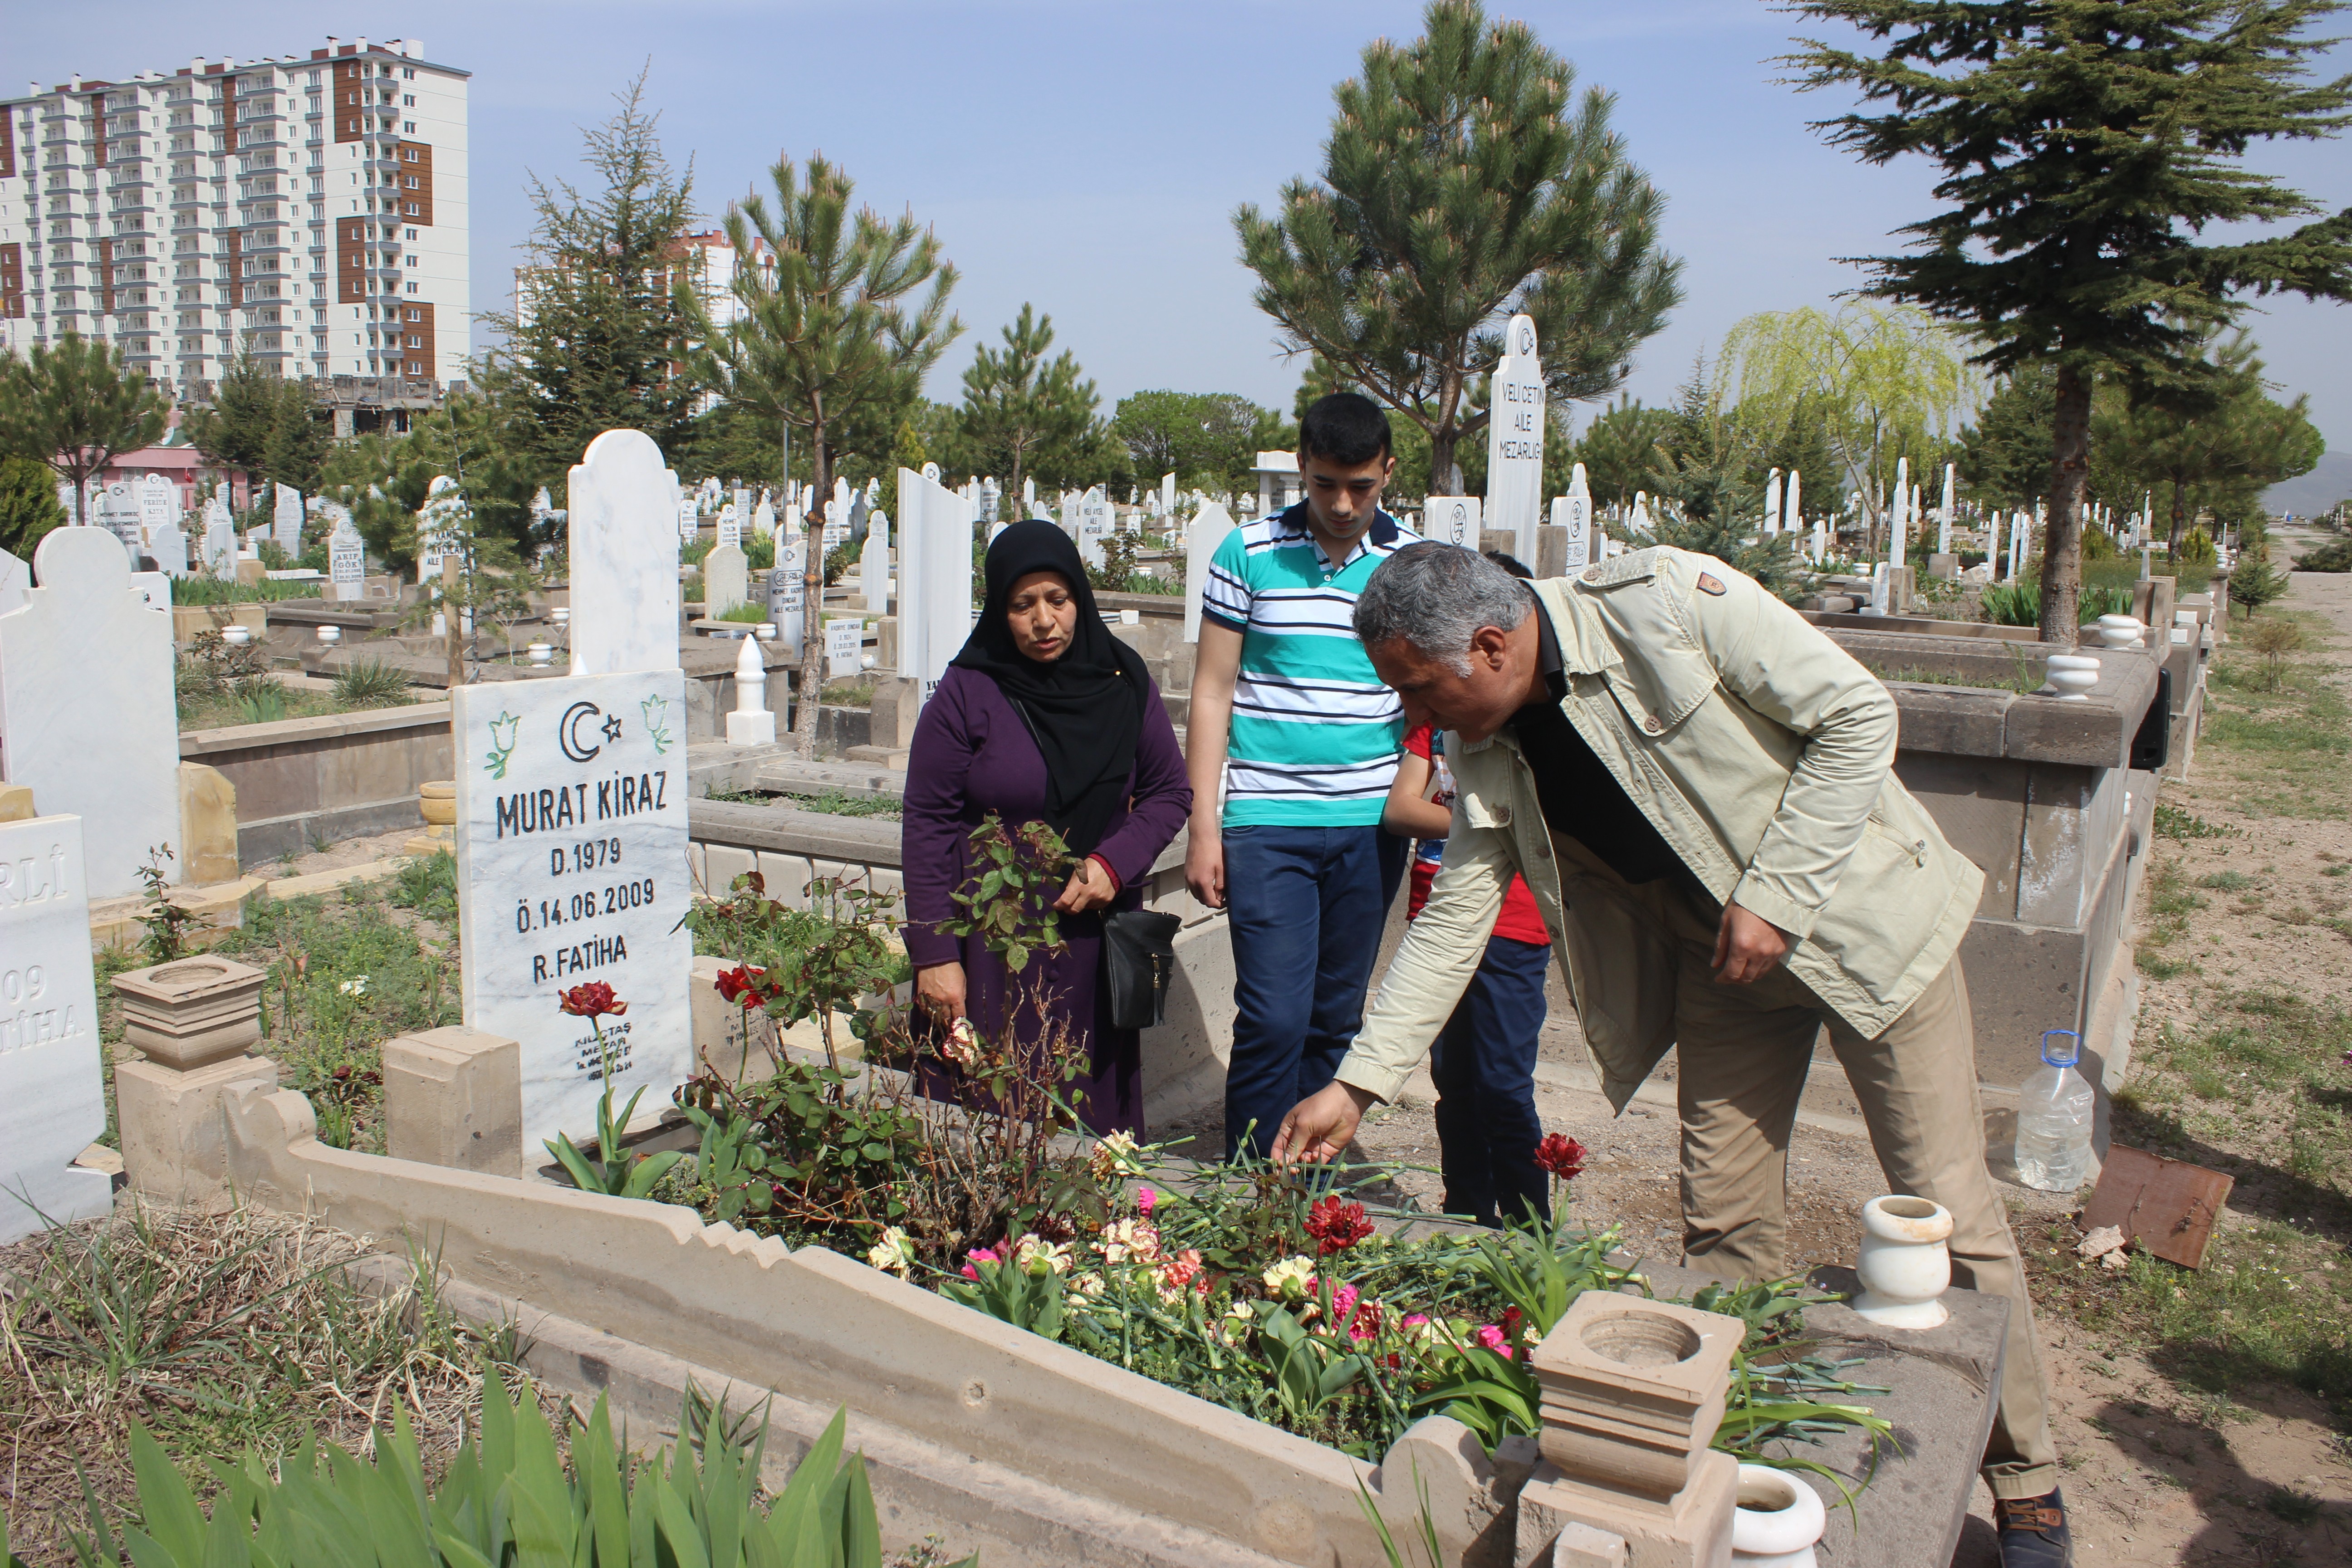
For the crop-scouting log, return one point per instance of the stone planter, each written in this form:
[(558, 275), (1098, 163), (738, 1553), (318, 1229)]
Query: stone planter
[(437, 802), (191, 1012)]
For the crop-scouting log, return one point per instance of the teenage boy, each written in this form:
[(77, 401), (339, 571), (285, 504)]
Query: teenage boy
[(1292, 744), (1484, 1061)]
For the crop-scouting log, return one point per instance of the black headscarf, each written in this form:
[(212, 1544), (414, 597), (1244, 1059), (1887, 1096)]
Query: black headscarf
[(1086, 708)]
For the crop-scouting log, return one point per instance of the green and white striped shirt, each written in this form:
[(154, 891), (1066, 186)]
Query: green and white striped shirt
[(1315, 734)]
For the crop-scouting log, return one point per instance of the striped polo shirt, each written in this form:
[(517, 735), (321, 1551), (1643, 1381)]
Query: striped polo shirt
[(1314, 734)]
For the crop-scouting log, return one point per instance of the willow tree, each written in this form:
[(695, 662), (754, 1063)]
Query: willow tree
[(1460, 188), (827, 341), (1881, 383), (2084, 146)]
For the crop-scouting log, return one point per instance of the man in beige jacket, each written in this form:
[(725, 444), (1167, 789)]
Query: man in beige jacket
[(1698, 788)]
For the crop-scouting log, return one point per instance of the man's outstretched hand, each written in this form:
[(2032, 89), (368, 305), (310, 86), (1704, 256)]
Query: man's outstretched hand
[(1320, 1126)]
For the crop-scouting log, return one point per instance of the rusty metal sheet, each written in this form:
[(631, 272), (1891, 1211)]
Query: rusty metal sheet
[(2167, 1207)]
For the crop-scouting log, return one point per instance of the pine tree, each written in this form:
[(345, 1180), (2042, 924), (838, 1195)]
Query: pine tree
[(1620, 448), (1459, 187), (2086, 145), (2005, 454), (73, 406), (603, 309), (1023, 413), (298, 439), (28, 505), (233, 431), (826, 344)]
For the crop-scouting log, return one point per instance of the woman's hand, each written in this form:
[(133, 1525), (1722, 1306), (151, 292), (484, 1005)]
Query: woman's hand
[(939, 990), (1090, 888)]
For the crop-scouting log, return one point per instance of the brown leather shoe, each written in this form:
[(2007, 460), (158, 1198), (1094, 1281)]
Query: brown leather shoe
[(2033, 1533)]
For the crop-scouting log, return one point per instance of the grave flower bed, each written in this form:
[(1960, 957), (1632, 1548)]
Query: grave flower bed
[(1282, 1294)]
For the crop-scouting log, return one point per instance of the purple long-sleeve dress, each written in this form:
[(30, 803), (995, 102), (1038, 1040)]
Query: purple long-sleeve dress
[(973, 756)]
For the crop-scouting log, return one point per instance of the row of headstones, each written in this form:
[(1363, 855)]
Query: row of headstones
[(146, 519)]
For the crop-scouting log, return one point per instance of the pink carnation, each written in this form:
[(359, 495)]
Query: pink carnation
[(1144, 1198), (977, 1256), (1343, 1303), (1492, 1337)]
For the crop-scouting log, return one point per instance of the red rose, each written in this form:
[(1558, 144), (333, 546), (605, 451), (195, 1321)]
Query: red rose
[(1337, 1227), (1562, 1156), (592, 1000), (742, 984)]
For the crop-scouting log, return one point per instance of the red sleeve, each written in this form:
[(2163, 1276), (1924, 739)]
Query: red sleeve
[(1416, 740)]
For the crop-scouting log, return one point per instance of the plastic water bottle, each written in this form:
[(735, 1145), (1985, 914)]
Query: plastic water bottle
[(2053, 1118)]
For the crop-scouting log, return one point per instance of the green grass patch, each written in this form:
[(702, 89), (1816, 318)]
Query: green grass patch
[(2172, 822), (193, 591), (2225, 882)]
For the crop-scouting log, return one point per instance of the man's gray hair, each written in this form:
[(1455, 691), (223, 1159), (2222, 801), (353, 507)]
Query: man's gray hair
[(1437, 597)]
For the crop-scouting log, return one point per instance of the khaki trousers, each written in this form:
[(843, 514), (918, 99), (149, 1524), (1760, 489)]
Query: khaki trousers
[(1744, 1051)]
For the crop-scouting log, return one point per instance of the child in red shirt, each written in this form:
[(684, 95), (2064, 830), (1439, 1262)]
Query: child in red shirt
[(1484, 1061)]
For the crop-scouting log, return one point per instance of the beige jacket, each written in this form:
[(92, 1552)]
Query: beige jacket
[(1764, 754)]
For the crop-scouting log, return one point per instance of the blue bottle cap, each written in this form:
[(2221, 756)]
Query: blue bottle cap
[(2060, 1047)]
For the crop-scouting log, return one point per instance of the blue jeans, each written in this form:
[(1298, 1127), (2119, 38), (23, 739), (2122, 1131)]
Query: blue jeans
[(1305, 907), (1484, 1064)]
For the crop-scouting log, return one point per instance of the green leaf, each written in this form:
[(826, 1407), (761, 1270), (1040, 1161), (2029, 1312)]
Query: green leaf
[(169, 1507)]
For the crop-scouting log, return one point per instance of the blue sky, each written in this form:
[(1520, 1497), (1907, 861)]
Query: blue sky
[(1088, 157)]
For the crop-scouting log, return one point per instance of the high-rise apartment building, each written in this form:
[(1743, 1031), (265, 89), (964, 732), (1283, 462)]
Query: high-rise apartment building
[(311, 208)]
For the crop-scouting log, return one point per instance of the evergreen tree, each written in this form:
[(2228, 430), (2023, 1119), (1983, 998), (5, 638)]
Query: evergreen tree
[(1620, 448), (2086, 145), (826, 344), (602, 314), (2254, 581), (1459, 187), (1025, 415), (1208, 439), (298, 440), (2005, 454), (73, 406), (907, 451), (1701, 497), (28, 505), (234, 431)]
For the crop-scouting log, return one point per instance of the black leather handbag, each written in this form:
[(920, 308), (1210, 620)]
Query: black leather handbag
[(1139, 950)]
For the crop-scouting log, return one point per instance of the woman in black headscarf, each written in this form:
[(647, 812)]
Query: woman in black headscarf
[(1043, 717)]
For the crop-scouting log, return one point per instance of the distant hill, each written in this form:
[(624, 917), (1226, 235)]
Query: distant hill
[(2315, 492)]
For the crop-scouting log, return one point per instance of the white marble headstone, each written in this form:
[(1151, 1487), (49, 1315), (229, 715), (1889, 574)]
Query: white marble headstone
[(1094, 525), (118, 513), (623, 562), (52, 1070), (1515, 440), (725, 580), (169, 546), (15, 589), (874, 563), (346, 561), (571, 868), (934, 578), (87, 712), (730, 526), (1573, 511), (158, 503), (689, 520), (1451, 520), (786, 593), (1210, 526), (763, 517), (286, 521), (845, 648)]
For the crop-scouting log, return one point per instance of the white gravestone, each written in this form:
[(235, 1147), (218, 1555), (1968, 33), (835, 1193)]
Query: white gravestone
[(624, 564), (845, 649), (158, 503), (1451, 520), (689, 520), (1514, 439), (1944, 513), (730, 526), (1573, 511), (1094, 525), (725, 580), (15, 591), (571, 868), (153, 588), (220, 542), (66, 503), (1898, 523), (934, 578), (87, 712), (346, 561), (169, 546), (931, 472), (118, 513), (763, 517), (286, 521), (1210, 526), (836, 518), (874, 564), (786, 591), (1792, 520), (52, 1072), (1772, 504)]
